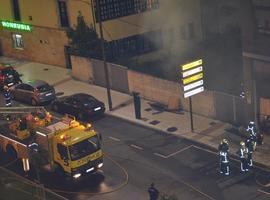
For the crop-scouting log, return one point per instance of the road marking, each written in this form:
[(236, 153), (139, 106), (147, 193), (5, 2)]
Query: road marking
[(160, 155), (264, 192), (181, 150), (115, 139), (136, 147), (172, 154)]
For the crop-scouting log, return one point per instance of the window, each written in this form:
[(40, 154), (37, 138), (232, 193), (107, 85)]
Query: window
[(62, 150), (17, 41), (134, 45), (16, 10), (111, 9), (63, 14)]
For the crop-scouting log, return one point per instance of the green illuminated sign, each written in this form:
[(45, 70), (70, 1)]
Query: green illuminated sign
[(17, 26)]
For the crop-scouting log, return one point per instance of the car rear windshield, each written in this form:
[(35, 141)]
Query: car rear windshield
[(44, 88)]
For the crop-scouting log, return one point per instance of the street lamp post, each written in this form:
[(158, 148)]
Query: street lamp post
[(104, 57)]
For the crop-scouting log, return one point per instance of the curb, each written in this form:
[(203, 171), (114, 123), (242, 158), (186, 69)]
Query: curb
[(201, 144)]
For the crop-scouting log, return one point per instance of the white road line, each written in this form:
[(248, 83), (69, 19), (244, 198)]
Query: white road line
[(264, 192), (181, 150), (115, 139), (172, 154), (159, 155), (136, 147)]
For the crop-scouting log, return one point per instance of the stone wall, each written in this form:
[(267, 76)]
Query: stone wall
[(167, 92), (82, 69)]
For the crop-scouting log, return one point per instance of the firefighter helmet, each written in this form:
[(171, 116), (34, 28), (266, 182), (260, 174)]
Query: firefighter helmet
[(225, 141)]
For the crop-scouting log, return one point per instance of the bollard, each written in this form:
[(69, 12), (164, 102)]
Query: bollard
[(137, 105)]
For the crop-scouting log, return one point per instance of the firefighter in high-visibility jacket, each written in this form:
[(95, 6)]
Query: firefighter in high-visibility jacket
[(252, 130), (224, 162), (243, 154), (7, 96), (250, 146)]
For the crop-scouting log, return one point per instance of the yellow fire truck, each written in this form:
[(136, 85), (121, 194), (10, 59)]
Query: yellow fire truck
[(68, 147)]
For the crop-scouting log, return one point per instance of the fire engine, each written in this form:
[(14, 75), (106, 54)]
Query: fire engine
[(65, 145)]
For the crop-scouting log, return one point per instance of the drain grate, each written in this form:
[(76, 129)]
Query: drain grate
[(154, 122), (144, 119), (212, 123), (172, 129), (59, 93), (148, 109)]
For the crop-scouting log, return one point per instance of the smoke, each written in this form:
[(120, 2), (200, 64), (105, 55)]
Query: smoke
[(180, 24)]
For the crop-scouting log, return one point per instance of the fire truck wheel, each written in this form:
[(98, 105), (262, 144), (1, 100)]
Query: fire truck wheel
[(80, 116), (59, 170), (55, 107), (11, 152)]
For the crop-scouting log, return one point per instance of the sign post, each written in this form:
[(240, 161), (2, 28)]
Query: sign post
[(192, 81)]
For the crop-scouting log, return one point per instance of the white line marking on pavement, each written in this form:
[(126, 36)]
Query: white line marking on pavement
[(115, 139), (264, 192), (181, 150), (159, 155), (172, 154), (136, 147)]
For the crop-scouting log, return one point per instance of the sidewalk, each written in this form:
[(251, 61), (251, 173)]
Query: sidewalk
[(207, 131)]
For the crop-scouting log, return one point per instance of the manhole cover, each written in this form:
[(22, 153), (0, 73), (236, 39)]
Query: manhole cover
[(172, 129), (148, 109), (144, 119), (154, 122), (45, 69), (59, 93)]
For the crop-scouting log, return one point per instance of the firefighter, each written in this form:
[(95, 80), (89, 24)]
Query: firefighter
[(153, 192), (7, 96), (250, 146), (223, 146), (252, 130), (243, 153), (224, 162)]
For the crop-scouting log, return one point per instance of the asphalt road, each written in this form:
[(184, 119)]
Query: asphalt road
[(136, 156)]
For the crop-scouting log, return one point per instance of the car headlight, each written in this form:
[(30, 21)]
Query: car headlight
[(77, 175), (100, 165)]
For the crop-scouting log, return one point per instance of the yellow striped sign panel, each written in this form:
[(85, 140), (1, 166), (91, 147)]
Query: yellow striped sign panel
[(191, 65), (192, 78)]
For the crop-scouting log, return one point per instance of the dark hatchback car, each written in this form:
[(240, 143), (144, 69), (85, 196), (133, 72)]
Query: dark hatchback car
[(34, 92), (82, 106), (8, 76)]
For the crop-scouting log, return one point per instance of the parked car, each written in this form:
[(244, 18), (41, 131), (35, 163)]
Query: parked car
[(8, 76), (34, 92), (82, 106)]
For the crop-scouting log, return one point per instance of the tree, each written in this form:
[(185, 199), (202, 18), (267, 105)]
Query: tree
[(84, 40)]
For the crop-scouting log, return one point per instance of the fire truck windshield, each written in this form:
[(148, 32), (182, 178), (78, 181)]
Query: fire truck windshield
[(84, 148)]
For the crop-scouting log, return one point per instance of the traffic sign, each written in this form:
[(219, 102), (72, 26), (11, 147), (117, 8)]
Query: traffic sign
[(191, 72), (192, 78), (192, 65), (193, 85), (192, 92)]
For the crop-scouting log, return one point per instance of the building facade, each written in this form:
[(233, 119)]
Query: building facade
[(131, 27)]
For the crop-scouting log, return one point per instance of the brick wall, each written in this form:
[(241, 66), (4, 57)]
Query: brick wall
[(45, 45)]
